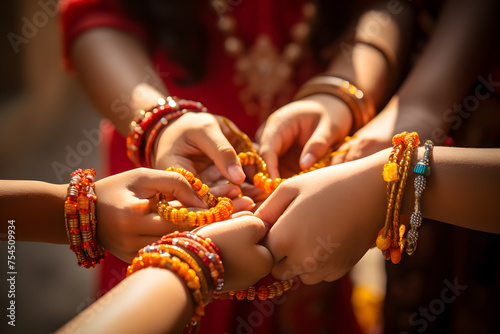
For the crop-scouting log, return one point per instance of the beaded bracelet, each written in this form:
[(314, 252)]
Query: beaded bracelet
[(263, 292), (190, 272), (167, 110), (80, 218), (220, 208), (361, 106), (423, 169), (209, 257), (391, 237)]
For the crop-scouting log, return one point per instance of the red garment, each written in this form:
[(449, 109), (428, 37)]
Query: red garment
[(324, 308)]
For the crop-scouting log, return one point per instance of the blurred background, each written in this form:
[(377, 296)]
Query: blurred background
[(46, 127)]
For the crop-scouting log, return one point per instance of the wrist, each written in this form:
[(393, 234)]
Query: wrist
[(148, 124), (359, 103)]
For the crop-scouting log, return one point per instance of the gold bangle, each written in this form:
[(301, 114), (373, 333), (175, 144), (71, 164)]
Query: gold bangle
[(361, 105)]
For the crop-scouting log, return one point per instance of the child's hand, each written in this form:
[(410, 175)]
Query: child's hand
[(314, 123), (377, 134), (245, 260), (195, 142), (126, 209), (324, 221)]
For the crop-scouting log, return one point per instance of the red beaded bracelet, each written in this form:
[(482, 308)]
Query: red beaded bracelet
[(205, 249), (149, 123)]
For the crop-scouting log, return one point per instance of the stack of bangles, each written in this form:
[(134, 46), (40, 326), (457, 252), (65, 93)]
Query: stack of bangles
[(198, 262), (80, 218), (391, 240), (146, 126), (360, 104)]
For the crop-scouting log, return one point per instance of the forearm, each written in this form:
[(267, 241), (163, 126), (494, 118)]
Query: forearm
[(151, 300), (37, 209), (374, 54), (117, 74), (463, 188), (451, 61)]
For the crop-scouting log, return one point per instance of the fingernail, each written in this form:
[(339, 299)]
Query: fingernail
[(308, 160), (236, 174)]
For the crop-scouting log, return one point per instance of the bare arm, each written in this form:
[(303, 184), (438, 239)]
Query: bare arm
[(463, 188), (37, 209), (117, 74), (151, 300), (451, 61), (375, 52)]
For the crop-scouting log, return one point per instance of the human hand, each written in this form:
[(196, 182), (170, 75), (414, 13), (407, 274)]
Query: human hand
[(314, 123), (377, 134), (324, 221), (245, 260), (126, 208), (195, 142)]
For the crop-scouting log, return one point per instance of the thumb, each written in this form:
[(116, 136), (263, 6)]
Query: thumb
[(171, 184), (274, 142), (317, 145), (276, 204), (216, 146)]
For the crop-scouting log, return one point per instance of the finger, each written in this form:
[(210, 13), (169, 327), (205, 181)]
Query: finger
[(317, 145), (242, 214), (216, 146), (275, 212), (152, 181), (244, 227), (269, 153), (339, 156), (276, 204), (272, 144), (284, 270), (226, 190), (253, 192), (243, 204), (155, 225)]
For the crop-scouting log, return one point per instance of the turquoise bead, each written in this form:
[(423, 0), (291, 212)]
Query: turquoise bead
[(422, 169)]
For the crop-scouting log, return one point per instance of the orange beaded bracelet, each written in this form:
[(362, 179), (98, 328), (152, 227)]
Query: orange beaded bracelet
[(80, 218), (391, 239), (220, 208), (182, 264)]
